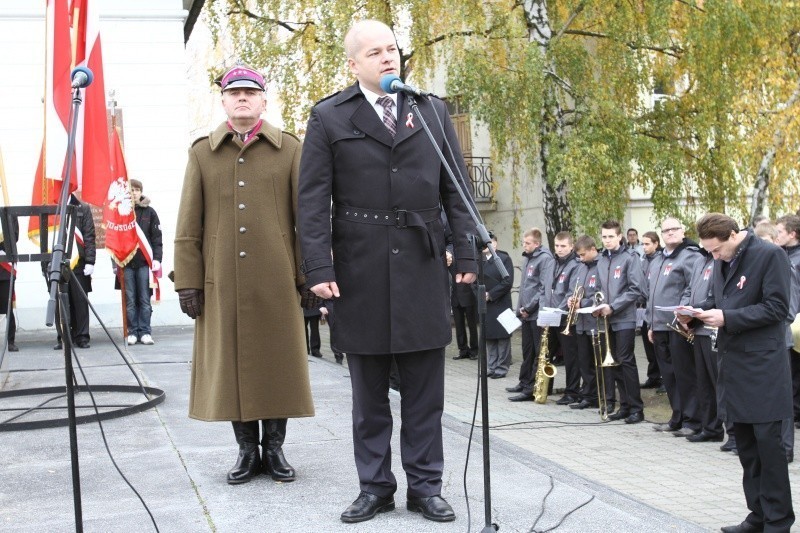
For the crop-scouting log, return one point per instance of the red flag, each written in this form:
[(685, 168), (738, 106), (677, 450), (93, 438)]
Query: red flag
[(119, 217), (91, 145), (58, 98)]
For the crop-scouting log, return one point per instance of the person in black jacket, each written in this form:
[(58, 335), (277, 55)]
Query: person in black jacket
[(81, 276), (749, 304), (137, 271), (5, 288), (498, 299)]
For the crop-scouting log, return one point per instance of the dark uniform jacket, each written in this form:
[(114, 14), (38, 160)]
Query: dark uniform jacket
[(622, 282), (393, 278), (536, 286), (586, 276), (754, 384), (499, 292), (87, 250)]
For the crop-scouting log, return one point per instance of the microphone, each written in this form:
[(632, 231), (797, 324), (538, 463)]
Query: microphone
[(393, 84), (81, 77)]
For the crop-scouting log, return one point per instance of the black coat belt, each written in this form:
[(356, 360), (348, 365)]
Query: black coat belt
[(399, 218)]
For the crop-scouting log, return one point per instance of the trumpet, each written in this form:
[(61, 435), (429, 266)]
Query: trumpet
[(608, 360), (688, 335), (572, 315)]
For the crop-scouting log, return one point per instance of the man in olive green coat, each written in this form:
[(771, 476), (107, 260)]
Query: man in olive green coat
[(237, 273)]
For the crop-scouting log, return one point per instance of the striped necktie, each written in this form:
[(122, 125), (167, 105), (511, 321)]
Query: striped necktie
[(388, 116)]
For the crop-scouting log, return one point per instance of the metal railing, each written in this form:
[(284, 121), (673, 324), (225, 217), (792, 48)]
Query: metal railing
[(480, 173)]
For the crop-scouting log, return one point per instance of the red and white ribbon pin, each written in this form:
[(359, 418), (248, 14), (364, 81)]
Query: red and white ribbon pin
[(741, 283), (410, 120)]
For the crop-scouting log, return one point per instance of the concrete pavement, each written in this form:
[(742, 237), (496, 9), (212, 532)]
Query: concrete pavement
[(605, 477)]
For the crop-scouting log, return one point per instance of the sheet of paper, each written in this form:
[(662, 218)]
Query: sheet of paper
[(588, 310), (549, 317), (680, 309), (640, 316), (509, 320)]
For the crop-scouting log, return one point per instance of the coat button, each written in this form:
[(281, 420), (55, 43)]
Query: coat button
[(394, 169), (242, 229), (241, 206), (242, 254), (356, 132), (395, 251), (241, 184), (241, 160)]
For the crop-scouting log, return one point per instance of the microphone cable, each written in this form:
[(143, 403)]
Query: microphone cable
[(83, 294)]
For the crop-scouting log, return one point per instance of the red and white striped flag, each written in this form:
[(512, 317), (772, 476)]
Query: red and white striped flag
[(92, 156), (73, 39), (57, 101)]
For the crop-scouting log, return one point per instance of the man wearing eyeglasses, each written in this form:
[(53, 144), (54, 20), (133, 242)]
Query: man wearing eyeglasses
[(670, 276)]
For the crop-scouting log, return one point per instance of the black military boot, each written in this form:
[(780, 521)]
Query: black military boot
[(273, 462), (248, 464)]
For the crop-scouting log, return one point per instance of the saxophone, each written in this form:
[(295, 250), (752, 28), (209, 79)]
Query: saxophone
[(545, 371)]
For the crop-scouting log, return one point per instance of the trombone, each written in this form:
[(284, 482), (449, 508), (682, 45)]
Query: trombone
[(572, 315), (601, 362), (608, 360)]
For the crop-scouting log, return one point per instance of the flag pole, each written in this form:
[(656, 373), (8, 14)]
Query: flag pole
[(120, 269)]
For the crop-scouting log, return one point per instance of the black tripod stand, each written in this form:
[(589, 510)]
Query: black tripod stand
[(482, 241)]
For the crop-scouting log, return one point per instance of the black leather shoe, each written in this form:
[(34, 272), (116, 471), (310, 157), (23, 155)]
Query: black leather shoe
[(12, 347), (661, 390), (339, 357), (684, 432), (366, 506), (666, 427), (82, 344), (433, 508), (521, 397), (515, 388), (473, 357), (497, 376), (316, 353), (490, 375), (651, 384), (635, 418), (704, 437), (272, 460), (619, 415), (583, 404), (566, 400), (790, 456), (248, 465), (58, 346), (744, 527), (729, 446), (461, 356)]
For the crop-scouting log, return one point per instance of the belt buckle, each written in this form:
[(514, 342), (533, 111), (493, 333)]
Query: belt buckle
[(400, 218)]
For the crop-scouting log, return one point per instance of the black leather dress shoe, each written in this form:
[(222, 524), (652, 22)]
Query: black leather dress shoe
[(473, 357), (729, 445), (521, 397), (82, 344), (433, 508), (666, 427), (651, 384), (744, 527), (619, 415), (12, 347), (461, 356), (515, 388), (566, 400), (366, 506), (583, 404), (316, 353), (685, 432), (790, 456), (58, 346), (635, 418), (704, 437), (497, 376)]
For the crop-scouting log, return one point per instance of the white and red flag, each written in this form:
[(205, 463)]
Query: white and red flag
[(72, 40)]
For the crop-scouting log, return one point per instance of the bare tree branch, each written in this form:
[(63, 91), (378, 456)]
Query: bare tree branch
[(672, 51)]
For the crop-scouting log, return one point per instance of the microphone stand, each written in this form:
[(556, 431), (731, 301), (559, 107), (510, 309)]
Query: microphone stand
[(483, 241), (58, 279)]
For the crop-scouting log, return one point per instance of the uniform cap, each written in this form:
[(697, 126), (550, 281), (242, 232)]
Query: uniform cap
[(241, 76)]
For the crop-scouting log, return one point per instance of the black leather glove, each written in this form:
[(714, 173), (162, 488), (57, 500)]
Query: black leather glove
[(191, 301)]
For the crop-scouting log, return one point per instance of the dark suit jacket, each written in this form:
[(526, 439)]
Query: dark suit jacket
[(394, 288), (499, 292), (754, 384)]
